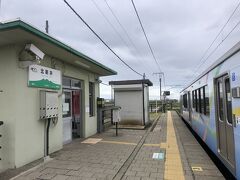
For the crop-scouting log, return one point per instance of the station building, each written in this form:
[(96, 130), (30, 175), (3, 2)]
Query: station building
[(32, 62)]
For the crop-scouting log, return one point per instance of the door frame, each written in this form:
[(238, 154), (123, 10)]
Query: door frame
[(231, 167), (81, 109), (68, 118)]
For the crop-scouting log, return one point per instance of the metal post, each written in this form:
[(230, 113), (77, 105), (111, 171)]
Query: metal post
[(48, 126), (156, 106), (116, 128), (103, 116), (160, 81), (47, 26), (111, 116)]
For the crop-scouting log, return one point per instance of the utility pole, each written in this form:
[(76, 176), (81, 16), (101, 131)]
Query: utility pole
[(160, 74), (47, 27), (1, 11)]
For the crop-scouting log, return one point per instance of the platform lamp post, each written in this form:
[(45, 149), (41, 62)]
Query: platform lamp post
[(160, 74)]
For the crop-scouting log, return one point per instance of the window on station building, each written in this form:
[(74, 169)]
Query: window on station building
[(76, 83), (185, 102), (66, 82), (91, 99), (71, 83)]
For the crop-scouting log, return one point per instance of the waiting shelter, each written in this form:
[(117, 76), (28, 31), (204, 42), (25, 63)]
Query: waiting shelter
[(133, 98)]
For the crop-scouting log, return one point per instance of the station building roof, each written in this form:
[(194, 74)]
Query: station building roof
[(128, 82), (20, 32)]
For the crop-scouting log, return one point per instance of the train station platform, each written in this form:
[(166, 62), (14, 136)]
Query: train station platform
[(166, 150)]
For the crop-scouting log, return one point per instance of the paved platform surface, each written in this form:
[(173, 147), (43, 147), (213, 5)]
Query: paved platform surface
[(130, 156)]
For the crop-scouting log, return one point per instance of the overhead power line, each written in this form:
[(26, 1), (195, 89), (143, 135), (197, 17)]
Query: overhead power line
[(222, 41), (127, 35), (109, 22), (101, 38), (120, 24), (202, 61), (135, 9), (114, 28)]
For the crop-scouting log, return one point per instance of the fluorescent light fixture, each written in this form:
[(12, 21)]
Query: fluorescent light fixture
[(82, 64)]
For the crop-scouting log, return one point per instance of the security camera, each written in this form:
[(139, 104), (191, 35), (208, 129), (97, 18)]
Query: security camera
[(35, 51)]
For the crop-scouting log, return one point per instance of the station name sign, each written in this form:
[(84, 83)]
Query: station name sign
[(43, 77)]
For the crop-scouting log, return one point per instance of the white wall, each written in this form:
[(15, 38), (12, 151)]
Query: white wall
[(23, 132), (146, 103), (7, 105), (131, 103)]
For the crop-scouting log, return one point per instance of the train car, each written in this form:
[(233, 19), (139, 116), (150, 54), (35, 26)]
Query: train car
[(211, 106)]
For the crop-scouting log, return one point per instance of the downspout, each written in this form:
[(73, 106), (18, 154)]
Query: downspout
[(143, 104)]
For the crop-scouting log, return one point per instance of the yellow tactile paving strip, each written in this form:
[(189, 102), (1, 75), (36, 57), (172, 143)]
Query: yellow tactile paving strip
[(173, 164)]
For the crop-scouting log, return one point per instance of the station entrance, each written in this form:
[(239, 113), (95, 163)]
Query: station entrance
[(72, 109)]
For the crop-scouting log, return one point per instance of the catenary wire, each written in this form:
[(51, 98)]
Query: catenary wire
[(115, 30), (222, 41), (109, 22), (154, 57), (214, 40), (101, 38), (125, 31)]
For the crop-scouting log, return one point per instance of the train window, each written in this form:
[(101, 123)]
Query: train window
[(206, 101), (199, 101), (185, 104), (193, 99), (228, 100), (202, 99), (196, 100), (220, 99)]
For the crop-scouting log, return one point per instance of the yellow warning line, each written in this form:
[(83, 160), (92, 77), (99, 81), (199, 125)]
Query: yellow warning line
[(173, 164), (119, 142), (155, 145), (161, 145)]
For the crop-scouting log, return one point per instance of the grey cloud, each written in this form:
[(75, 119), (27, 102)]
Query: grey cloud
[(179, 32)]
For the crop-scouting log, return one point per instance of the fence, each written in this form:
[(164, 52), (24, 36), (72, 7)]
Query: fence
[(105, 117)]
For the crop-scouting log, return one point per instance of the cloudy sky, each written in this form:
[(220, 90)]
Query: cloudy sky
[(179, 33)]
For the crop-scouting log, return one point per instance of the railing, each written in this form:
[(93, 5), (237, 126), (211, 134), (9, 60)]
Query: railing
[(105, 117), (1, 123)]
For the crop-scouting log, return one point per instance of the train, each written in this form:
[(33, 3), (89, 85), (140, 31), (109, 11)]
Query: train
[(211, 106)]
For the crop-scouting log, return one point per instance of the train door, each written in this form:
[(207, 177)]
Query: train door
[(224, 119)]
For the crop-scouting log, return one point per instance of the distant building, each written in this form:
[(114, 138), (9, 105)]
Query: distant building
[(133, 98), (32, 63)]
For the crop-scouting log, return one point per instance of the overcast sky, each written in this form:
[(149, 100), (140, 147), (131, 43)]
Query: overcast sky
[(179, 32)]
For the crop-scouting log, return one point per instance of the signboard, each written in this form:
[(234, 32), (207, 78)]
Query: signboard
[(166, 93), (43, 77), (159, 156)]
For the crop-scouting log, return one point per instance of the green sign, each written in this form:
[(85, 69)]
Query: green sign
[(43, 77)]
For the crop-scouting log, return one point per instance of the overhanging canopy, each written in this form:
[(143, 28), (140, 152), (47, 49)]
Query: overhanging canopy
[(19, 32)]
